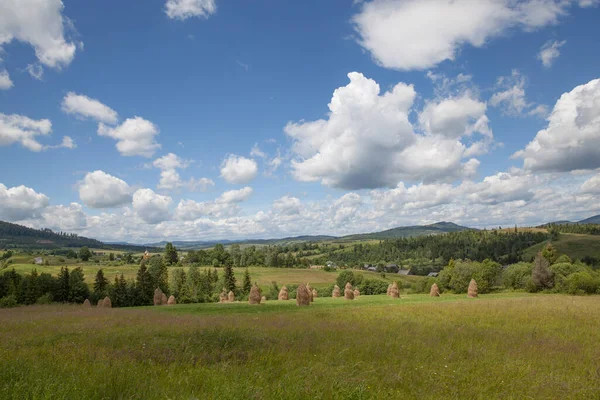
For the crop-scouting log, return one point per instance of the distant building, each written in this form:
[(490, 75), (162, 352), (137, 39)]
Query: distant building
[(317, 266), (404, 272), (433, 274), (38, 260), (391, 268)]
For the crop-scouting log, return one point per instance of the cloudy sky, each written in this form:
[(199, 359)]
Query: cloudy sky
[(146, 120)]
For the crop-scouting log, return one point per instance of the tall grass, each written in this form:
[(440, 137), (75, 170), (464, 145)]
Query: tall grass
[(502, 346)]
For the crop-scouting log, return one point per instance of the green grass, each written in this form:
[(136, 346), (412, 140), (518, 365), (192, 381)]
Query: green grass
[(574, 245), (509, 346)]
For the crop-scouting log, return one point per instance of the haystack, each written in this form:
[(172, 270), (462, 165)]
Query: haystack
[(302, 295), (100, 303), (314, 293), (163, 299), (310, 292), (435, 291), (106, 303), (171, 301), (87, 304), (223, 297), (356, 293), (336, 291), (389, 290), (283, 294), (394, 291), (158, 297), (255, 296), (231, 296), (348, 286), (263, 299), (472, 293), (349, 294)]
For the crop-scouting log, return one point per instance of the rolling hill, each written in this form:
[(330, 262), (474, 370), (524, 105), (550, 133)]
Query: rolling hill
[(409, 231), (591, 220)]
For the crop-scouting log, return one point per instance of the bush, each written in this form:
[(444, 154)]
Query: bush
[(424, 285), (8, 301), (582, 283), (561, 272), (44, 299), (348, 276), (517, 276), (371, 286)]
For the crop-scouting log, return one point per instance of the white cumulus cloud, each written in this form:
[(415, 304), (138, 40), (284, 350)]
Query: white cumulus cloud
[(19, 203), (238, 169), (23, 130), (184, 9), (101, 190), (135, 136), (150, 207), (550, 51), (5, 81), (84, 107)]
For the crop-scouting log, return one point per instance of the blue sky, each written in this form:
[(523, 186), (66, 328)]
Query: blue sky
[(209, 119)]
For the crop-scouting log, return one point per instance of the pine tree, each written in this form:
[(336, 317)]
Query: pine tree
[(247, 284), (160, 274), (178, 280), (144, 289), (78, 289), (171, 256), (228, 278), (541, 275), (192, 283), (62, 292), (29, 290), (100, 285)]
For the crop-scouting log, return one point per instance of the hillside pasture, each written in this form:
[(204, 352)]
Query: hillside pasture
[(502, 346), (574, 245)]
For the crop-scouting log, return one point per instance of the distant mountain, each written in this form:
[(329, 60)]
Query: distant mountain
[(188, 245), (562, 222), (591, 220), (410, 231), (18, 236)]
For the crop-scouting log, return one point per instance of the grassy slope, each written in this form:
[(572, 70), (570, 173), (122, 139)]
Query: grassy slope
[(574, 245), (503, 346)]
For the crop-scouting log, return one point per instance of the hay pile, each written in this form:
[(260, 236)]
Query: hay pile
[(336, 291), (302, 295), (314, 294), (106, 303), (310, 292), (394, 291), (231, 296), (389, 290), (283, 294), (348, 292), (263, 299), (87, 304), (472, 293), (255, 296), (100, 303), (223, 297), (356, 293), (158, 294), (435, 291), (163, 299), (171, 301)]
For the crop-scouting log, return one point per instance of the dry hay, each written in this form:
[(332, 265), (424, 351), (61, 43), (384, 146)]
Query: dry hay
[(348, 286), (336, 291), (263, 299), (100, 303), (349, 294), (302, 295), (394, 291), (231, 296), (106, 303), (389, 290), (87, 304), (254, 297), (356, 293), (223, 296), (163, 299), (310, 292), (472, 293), (283, 294), (158, 297), (314, 294), (435, 291), (171, 301)]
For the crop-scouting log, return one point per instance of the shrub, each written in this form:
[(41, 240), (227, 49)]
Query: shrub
[(348, 276), (44, 299), (517, 276), (582, 283), (8, 301), (373, 286)]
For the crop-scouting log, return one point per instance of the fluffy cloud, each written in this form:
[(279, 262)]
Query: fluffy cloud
[(63, 218), (170, 178), (84, 107), (223, 206), (418, 34), (5, 82), (20, 129), (592, 185), (36, 71), (287, 205), (184, 9), (41, 24), (571, 140), (369, 142), (550, 51), (150, 207), (510, 97), (238, 169), (19, 203), (101, 190), (135, 137)]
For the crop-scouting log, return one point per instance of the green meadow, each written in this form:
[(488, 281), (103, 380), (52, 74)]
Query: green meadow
[(507, 345)]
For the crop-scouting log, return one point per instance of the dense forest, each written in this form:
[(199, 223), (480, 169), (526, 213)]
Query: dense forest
[(585, 229)]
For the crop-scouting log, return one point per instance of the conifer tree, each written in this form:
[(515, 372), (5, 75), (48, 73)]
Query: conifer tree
[(228, 278), (62, 292), (100, 285), (171, 256), (144, 289), (160, 274), (247, 284), (78, 289)]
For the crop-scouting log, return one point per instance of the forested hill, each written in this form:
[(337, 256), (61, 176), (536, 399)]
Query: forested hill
[(18, 236), (410, 231)]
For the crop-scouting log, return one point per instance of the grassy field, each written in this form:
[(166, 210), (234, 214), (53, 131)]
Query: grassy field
[(502, 346), (574, 245)]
